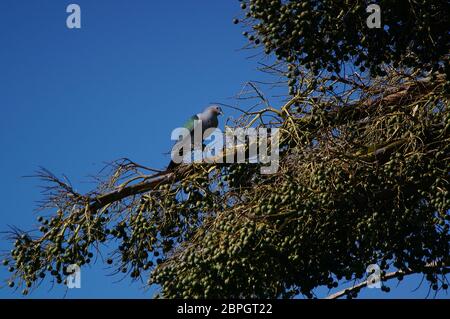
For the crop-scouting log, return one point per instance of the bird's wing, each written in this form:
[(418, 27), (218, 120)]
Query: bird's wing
[(209, 120), (190, 123)]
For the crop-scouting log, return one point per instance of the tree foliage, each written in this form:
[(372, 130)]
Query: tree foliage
[(363, 177), (326, 34)]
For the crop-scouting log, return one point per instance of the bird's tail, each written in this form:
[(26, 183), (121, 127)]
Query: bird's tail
[(171, 165)]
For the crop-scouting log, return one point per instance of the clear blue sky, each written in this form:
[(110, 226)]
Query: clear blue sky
[(72, 99)]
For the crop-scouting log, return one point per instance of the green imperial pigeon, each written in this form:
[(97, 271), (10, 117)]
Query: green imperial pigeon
[(208, 120)]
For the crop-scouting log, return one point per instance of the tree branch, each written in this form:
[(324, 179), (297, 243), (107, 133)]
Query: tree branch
[(388, 276)]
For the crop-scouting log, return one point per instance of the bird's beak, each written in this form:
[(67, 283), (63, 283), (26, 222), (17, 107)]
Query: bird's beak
[(221, 113)]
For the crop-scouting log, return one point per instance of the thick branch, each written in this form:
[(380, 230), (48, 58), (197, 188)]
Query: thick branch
[(136, 189)]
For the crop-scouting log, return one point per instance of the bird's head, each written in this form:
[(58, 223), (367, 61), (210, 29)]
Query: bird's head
[(214, 109)]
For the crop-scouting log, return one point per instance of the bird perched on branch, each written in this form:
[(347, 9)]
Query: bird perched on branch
[(208, 119)]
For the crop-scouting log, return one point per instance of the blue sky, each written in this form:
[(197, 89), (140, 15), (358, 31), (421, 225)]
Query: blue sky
[(71, 100)]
